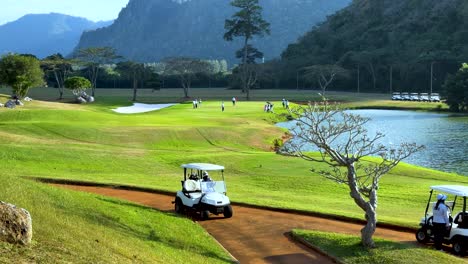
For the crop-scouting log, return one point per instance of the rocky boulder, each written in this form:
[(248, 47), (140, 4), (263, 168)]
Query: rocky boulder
[(80, 100), (83, 98), (10, 104), (15, 224)]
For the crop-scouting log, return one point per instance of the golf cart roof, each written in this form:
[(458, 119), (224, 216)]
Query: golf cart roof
[(203, 166), (458, 190)]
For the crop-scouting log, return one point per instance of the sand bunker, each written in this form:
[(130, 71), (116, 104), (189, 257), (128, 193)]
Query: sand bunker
[(140, 108)]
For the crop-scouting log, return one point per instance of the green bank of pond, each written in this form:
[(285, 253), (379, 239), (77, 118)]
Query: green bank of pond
[(444, 135), (92, 143), (347, 249)]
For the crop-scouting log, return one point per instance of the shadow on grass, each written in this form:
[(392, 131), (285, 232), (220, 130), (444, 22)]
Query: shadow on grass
[(290, 258), (349, 247), (146, 232)]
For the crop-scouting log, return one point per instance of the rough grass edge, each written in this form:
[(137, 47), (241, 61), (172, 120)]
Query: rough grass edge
[(385, 225), (120, 187), (306, 243)]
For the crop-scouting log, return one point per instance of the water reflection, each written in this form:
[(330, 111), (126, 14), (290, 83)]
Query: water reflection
[(445, 136)]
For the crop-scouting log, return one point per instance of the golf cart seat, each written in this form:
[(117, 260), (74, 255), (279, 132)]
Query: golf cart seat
[(459, 220), (191, 186)]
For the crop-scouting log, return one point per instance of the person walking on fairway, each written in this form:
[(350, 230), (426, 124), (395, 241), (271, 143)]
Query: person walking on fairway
[(222, 106), (234, 101)]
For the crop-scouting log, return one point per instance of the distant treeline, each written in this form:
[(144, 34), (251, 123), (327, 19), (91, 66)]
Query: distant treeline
[(385, 45)]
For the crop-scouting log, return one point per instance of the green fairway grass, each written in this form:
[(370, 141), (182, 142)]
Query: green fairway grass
[(74, 227), (92, 143), (347, 249)]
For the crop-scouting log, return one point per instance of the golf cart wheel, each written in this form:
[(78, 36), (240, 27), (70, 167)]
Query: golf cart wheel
[(205, 214), (227, 211), (422, 236), (178, 206), (458, 247)]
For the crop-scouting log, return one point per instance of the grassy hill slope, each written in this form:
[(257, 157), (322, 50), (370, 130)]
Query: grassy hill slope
[(73, 227), (92, 143)]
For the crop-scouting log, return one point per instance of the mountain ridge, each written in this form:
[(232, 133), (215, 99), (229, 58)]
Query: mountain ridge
[(44, 34), (150, 30)]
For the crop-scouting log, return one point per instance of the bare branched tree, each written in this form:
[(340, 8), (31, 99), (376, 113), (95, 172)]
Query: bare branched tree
[(93, 58), (60, 67), (186, 70), (343, 143), (325, 74)]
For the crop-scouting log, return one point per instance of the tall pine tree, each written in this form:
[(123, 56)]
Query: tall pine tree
[(246, 23)]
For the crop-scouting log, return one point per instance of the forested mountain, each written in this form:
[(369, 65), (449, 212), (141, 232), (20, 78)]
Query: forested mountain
[(388, 39), (44, 34), (150, 30)]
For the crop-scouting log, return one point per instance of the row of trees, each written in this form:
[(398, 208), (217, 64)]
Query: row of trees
[(23, 71)]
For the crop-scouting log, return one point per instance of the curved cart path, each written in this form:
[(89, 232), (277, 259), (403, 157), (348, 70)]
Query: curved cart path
[(255, 235)]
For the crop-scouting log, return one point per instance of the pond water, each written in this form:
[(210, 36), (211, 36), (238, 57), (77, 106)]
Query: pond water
[(445, 136)]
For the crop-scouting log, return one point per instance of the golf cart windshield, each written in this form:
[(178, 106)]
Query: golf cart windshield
[(198, 170), (213, 186)]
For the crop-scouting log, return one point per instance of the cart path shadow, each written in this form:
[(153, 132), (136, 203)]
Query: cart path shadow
[(256, 235)]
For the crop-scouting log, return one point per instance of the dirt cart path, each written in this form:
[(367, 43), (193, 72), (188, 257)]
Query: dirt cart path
[(255, 235)]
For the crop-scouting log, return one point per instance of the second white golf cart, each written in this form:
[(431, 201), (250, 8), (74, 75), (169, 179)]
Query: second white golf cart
[(458, 233), (200, 193)]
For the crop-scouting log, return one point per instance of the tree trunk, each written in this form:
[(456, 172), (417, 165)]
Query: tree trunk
[(358, 78), (94, 80), (244, 72), (432, 76), (135, 89), (369, 229), (369, 207), (186, 90), (59, 85), (391, 79), (372, 72)]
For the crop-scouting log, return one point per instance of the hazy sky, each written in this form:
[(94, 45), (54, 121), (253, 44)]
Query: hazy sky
[(95, 10)]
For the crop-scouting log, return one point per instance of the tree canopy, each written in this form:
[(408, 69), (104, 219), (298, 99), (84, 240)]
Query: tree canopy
[(411, 42), (77, 84), (60, 67), (456, 90), (344, 143), (21, 72), (138, 73), (186, 70), (93, 58), (246, 23)]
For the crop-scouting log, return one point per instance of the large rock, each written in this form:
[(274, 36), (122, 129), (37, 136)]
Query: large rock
[(80, 100), (89, 99), (10, 104), (15, 224)]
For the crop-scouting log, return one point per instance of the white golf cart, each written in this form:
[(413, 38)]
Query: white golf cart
[(200, 193), (458, 233)]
